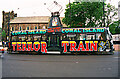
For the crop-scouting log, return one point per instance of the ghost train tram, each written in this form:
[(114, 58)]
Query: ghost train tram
[(57, 39)]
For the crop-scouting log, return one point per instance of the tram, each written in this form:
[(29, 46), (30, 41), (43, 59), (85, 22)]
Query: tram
[(62, 40)]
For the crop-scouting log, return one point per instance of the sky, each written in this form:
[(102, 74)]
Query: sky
[(25, 8)]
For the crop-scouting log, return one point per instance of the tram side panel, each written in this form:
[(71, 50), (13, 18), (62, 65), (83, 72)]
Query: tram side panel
[(66, 46), (82, 46), (28, 46)]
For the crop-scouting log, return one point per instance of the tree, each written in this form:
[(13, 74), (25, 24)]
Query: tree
[(110, 14), (85, 14), (3, 35), (114, 28), (117, 29), (89, 14)]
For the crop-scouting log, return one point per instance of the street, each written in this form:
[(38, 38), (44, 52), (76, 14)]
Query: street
[(19, 65)]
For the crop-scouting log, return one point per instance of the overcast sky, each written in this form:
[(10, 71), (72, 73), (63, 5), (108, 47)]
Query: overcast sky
[(25, 8)]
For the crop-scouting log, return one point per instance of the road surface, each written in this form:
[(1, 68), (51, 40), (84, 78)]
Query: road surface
[(19, 65)]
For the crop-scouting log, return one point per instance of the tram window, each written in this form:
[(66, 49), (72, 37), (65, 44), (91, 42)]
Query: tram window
[(98, 36), (26, 38), (29, 37), (21, 38), (101, 36), (90, 36), (60, 37), (108, 38), (44, 37), (64, 37), (82, 37), (71, 36), (14, 38), (78, 36), (37, 37)]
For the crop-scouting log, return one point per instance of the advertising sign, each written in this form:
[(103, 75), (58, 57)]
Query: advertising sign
[(66, 45), (82, 30), (25, 32)]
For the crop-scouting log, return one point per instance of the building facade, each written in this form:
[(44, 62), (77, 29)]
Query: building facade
[(30, 23), (7, 17)]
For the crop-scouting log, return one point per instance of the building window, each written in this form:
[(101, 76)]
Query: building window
[(27, 28), (12, 28), (43, 27), (20, 29), (38, 27), (35, 27)]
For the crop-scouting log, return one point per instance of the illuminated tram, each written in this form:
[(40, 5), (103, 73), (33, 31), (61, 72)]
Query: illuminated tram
[(62, 40)]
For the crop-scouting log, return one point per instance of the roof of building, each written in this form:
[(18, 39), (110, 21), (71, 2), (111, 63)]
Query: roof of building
[(33, 19)]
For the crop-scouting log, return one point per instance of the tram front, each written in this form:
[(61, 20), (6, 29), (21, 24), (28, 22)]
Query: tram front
[(54, 33)]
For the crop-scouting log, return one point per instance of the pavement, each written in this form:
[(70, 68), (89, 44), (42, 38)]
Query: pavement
[(19, 65), (0, 68), (117, 47)]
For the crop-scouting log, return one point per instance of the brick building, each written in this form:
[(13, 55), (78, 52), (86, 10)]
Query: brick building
[(7, 17), (30, 23)]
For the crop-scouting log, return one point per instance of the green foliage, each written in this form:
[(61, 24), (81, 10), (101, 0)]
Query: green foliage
[(88, 14), (117, 30), (3, 34), (0, 31), (110, 13), (89, 0), (114, 29), (83, 14)]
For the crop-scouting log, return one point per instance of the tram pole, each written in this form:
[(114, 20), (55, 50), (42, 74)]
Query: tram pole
[(103, 13), (70, 13)]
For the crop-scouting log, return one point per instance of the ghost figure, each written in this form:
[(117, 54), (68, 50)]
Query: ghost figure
[(100, 49), (102, 44), (54, 22)]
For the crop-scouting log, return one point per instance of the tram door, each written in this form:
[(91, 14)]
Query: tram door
[(53, 40)]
